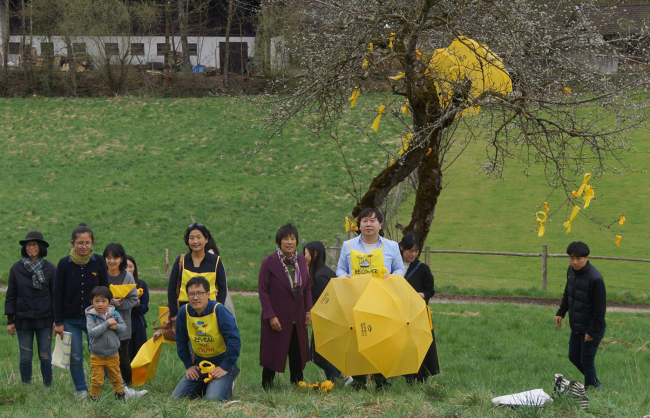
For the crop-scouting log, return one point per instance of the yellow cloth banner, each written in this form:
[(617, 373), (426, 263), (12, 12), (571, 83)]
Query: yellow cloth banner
[(145, 363), (121, 291)]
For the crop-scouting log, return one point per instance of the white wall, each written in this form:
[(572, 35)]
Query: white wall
[(207, 47)]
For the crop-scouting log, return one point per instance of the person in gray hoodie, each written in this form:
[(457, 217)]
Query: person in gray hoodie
[(115, 257), (105, 327)]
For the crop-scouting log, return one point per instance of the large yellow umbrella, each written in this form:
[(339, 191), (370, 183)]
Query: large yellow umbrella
[(333, 323), (393, 326)]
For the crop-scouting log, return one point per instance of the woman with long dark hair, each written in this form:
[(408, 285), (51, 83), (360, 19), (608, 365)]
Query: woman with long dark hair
[(320, 276), (138, 320), (28, 306), (419, 276)]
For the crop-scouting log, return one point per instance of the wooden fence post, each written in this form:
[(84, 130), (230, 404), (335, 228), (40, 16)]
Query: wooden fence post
[(544, 267), (427, 255), (166, 262)]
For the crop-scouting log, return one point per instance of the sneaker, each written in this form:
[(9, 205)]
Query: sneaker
[(81, 395), (130, 393), (348, 381)]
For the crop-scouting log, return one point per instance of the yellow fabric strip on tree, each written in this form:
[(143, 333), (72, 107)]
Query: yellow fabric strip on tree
[(375, 124), (354, 97), (567, 224), (541, 218)]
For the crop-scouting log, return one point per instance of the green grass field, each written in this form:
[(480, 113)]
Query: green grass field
[(485, 351), (138, 171)]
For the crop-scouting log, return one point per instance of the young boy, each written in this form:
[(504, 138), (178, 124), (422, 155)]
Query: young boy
[(104, 326)]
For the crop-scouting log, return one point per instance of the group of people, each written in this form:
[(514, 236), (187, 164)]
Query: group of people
[(74, 297)]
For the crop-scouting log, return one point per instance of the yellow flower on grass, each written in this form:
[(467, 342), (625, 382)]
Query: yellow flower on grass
[(541, 218), (375, 124), (618, 240), (567, 224), (354, 97), (302, 384), (621, 221), (326, 386)]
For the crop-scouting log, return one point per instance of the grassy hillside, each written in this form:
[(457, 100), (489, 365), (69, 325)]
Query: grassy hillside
[(138, 171)]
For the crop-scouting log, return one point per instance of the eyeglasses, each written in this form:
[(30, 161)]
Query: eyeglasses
[(83, 244), (195, 225), (31, 244), (193, 295)]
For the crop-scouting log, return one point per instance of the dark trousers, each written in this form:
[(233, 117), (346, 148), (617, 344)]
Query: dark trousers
[(295, 363), (583, 354), (331, 372), (44, 344), (125, 362), (137, 341)]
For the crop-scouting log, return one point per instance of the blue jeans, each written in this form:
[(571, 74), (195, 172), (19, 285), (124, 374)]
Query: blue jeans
[(219, 389), (583, 355), (75, 326), (44, 344)]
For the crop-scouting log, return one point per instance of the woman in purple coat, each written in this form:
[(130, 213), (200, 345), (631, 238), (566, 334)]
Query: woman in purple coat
[(285, 294)]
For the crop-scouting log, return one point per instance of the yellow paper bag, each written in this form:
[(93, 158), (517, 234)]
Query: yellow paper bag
[(121, 290), (145, 363)]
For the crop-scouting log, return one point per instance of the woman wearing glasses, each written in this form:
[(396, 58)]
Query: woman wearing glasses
[(28, 306), (76, 275), (197, 262)]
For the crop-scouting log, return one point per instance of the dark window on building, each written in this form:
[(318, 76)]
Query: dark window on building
[(192, 49), (160, 49), (137, 49), (79, 48), (47, 49), (14, 48), (111, 49)]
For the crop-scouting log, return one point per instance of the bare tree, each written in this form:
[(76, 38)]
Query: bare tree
[(555, 115)]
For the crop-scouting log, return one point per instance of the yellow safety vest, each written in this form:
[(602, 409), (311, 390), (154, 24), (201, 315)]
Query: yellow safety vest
[(204, 334), (211, 277), (372, 263)]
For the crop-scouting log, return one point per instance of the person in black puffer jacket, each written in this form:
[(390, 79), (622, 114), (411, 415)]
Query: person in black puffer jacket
[(585, 300)]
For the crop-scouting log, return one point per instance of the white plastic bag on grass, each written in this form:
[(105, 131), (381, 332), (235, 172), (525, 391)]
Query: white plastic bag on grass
[(535, 397)]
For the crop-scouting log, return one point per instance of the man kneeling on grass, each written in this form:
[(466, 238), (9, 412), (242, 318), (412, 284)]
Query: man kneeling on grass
[(212, 332), (585, 300)]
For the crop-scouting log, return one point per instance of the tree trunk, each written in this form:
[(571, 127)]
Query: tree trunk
[(226, 63), (182, 25), (168, 30)]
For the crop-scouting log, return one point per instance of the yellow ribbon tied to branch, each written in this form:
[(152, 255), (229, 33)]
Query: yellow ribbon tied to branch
[(390, 40), (541, 218), (206, 367), (585, 189), (567, 224), (354, 97), (618, 240), (365, 64), (375, 124), (399, 75), (370, 47), (621, 221), (405, 108), (546, 208), (350, 225)]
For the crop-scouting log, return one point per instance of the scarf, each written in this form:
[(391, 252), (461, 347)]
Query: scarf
[(297, 280), (35, 268), (78, 259)]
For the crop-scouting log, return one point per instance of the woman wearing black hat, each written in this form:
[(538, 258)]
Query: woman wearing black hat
[(29, 305)]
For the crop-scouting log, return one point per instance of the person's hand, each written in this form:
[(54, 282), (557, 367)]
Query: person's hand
[(192, 373), (558, 321), (588, 338), (218, 373), (157, 335), (58, 330), (421, 295), (112, 323), (11, 329), (307, 319), (117, 301), (275, 324), (137, 304)]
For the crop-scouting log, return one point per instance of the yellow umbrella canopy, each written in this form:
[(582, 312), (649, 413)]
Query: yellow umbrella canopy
[(334, 335), (393, 326)]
